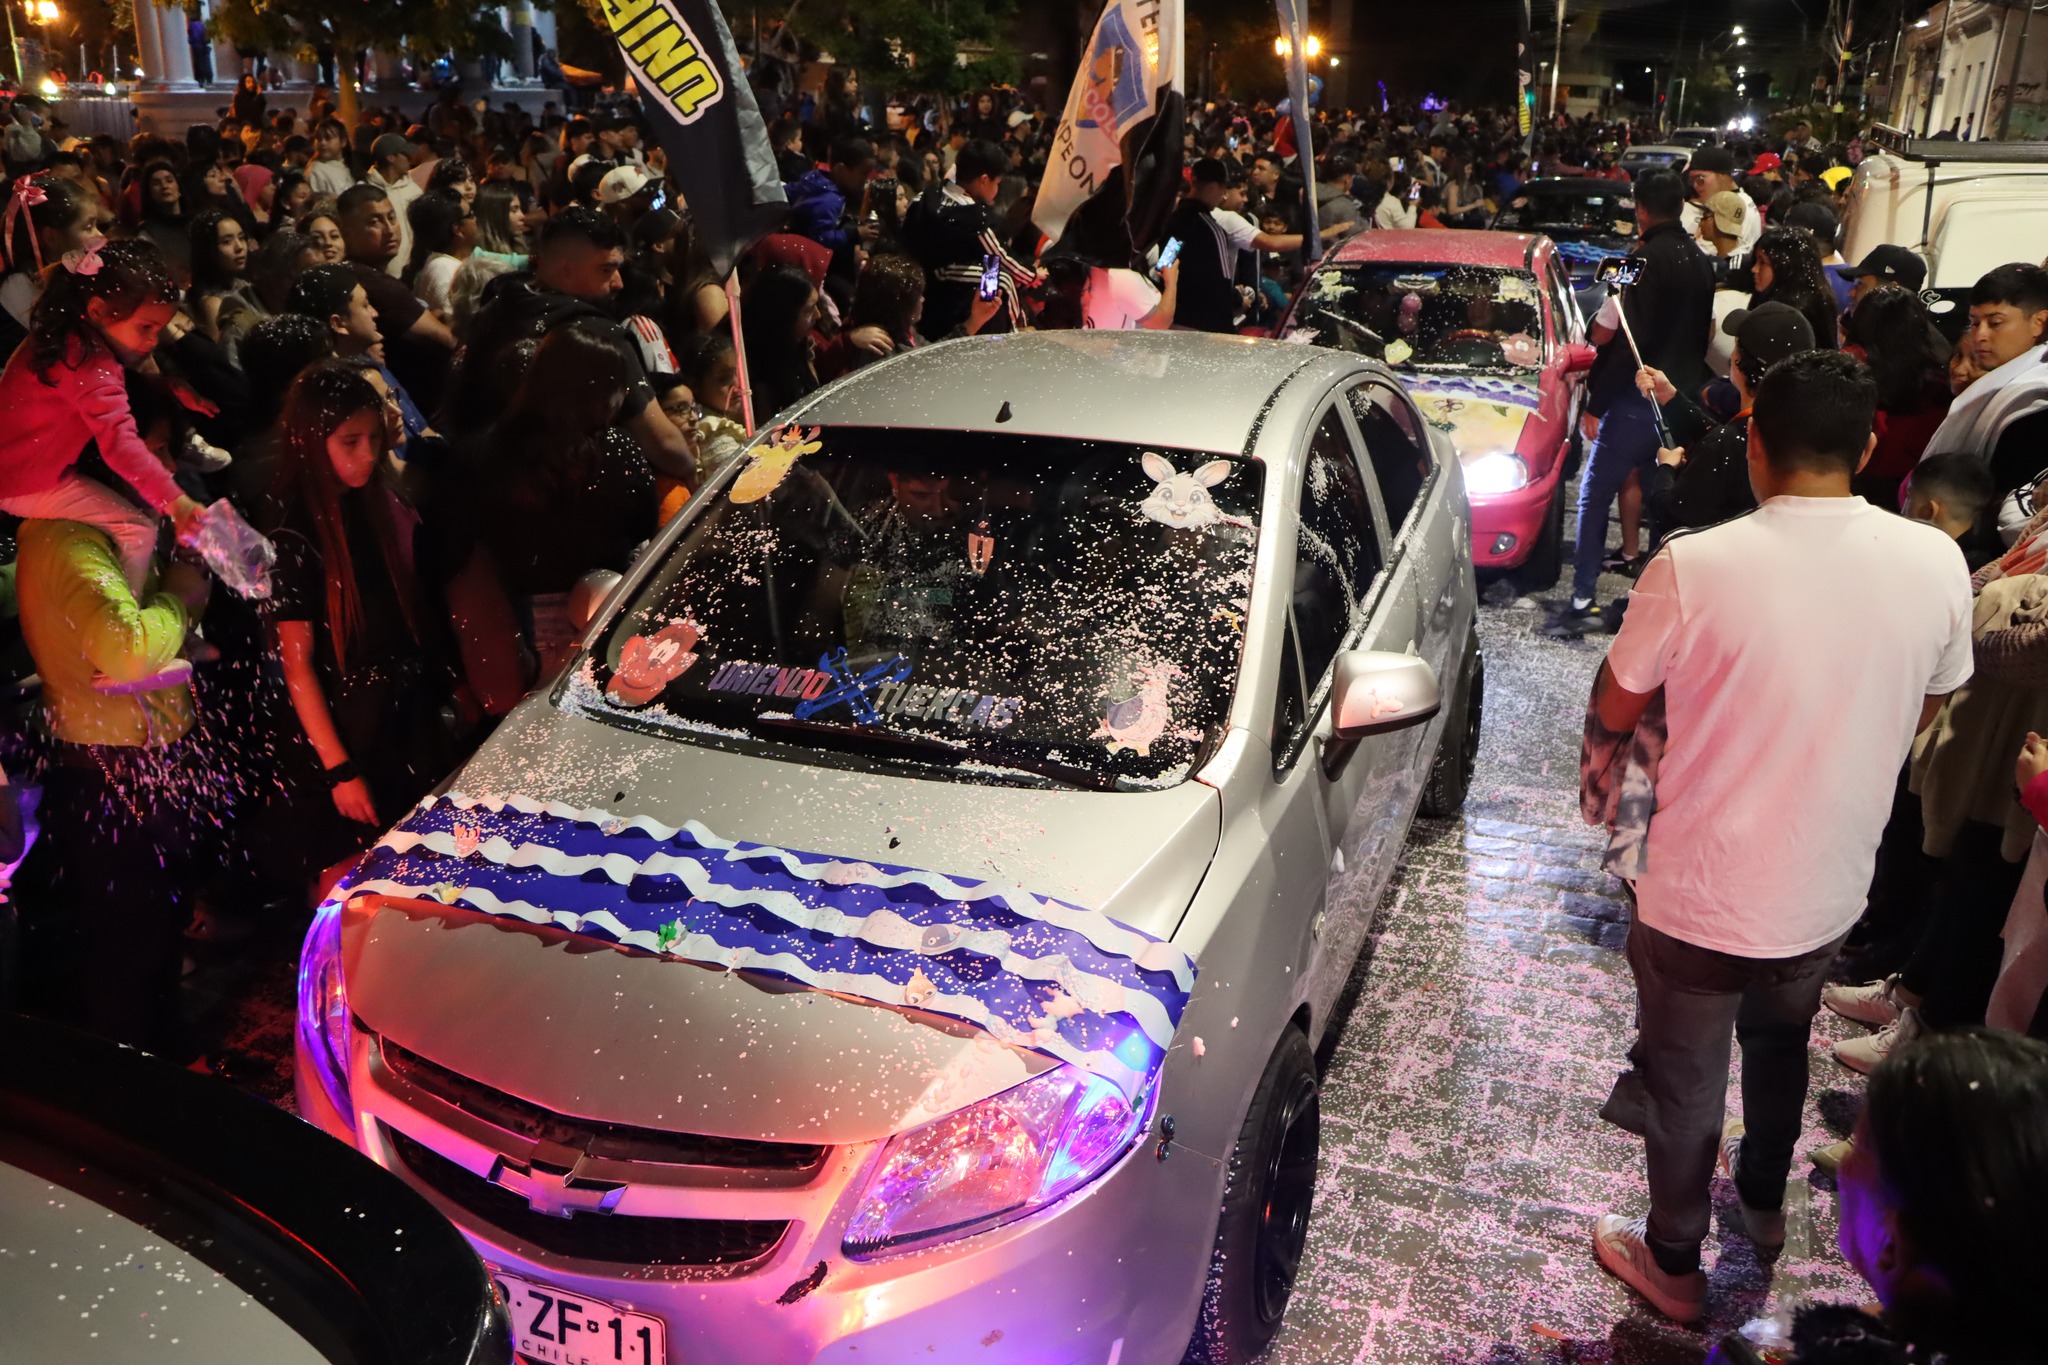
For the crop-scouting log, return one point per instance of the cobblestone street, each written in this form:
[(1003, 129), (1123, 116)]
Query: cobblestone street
[(1463, 1160)]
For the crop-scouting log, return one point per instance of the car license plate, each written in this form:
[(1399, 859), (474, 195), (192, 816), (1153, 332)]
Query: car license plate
[(560, 1328)]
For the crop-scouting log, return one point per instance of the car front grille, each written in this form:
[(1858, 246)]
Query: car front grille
[(607, 1237), (603, 1141)]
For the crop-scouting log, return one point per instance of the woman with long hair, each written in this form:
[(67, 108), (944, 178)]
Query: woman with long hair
[(1787, 270), (221, 297), (323, 228), (443, 236), (888, 301), (366, 663), (1892, 332), (561, 487), (500, 224), (781, 308)]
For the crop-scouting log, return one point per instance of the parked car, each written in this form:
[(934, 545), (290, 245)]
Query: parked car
[(1965, 207), (1485, 333), (706, 999), (153, 1214), (1654, 157), (1587, 220), (1694, 138)]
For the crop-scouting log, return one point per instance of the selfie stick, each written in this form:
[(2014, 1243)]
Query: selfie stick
[(1663, 432)]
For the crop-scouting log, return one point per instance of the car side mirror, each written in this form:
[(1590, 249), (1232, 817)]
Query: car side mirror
[(1376, 692), (586, 599), (1579, 357)]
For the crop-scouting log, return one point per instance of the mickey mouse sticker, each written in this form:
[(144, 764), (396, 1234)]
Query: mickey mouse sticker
[(648, 664)]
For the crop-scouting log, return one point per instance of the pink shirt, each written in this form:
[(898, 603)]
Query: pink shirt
[(49, 423)]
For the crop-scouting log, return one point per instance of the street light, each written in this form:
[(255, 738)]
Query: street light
[(1313, 46), (45, 11)]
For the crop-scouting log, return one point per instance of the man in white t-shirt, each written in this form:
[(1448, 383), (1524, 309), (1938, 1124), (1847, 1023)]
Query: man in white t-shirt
[(1799, 648)]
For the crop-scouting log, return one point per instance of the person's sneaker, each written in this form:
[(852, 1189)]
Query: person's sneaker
[(1614, 561), (1623, 1246), (1831, 1157), (1577, 619), (203, 456), (1871, 1003), (1766, 1227), (1863, 1054)]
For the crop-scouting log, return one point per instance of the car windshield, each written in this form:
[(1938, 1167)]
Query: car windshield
[(993, 607), (1424, 317), (1553, 209)]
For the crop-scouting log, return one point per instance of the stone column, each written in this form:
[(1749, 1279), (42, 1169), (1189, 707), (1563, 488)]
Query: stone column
[(177, 49), (519, 23), (149, 40), (227, 63)]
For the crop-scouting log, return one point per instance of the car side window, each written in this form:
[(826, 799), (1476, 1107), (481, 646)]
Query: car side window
[(1553, 303), (1402, 458), (1337, 552)]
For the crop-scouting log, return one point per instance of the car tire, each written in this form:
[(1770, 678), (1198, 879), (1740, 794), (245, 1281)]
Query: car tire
[(1264, 1223), (1545, 564), (1457, 749)]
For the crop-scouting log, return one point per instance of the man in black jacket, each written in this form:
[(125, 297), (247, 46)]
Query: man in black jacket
[(952, 231), (1669, 311)]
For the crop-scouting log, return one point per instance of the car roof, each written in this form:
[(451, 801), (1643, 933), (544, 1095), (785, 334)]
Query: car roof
[(1659, 147), (1586, 183), (1438, 246), (1189, 390)]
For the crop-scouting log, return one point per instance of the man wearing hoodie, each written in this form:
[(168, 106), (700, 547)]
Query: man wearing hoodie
[(1334, 204), (819, 203)]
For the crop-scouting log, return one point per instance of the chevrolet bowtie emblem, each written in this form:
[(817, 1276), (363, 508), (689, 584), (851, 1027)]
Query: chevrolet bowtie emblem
[(550, 1184)]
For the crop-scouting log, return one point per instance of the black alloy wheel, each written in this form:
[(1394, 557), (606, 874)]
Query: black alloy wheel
[(1290, 1185)]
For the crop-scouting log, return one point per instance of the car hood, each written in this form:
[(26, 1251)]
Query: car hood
[(589, 1030), (1482, 414)]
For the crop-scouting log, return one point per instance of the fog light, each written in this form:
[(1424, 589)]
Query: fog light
[(1502, 543)]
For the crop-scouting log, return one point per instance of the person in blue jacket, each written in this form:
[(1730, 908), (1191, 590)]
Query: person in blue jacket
[(826, 203)]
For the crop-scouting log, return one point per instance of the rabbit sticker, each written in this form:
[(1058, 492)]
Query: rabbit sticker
[(1180, 500)]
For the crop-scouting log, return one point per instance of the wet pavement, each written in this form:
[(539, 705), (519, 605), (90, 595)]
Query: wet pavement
[(1462, 1160)]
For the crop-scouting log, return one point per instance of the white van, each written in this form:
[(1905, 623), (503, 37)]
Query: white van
[(1965, 207)]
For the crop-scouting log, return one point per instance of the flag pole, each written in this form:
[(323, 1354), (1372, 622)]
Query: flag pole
[(739, 351), (1291, 23)]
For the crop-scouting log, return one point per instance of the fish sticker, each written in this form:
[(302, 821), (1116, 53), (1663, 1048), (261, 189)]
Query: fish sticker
[(772, 462), (648, 664), (1181, 500), (1139, 721)]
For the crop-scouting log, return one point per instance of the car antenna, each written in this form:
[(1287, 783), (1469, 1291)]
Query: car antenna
[(1003, 412)]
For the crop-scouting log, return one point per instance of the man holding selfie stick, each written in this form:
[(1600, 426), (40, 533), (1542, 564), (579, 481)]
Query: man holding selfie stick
[(1668, 311)]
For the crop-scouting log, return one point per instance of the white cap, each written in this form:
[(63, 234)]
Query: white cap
[(621, 183)]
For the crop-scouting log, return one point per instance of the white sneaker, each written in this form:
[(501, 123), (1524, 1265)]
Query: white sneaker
[(1863, 1054), (1871, 1003), (203, 456), (1623, 1246), (1766, 1227)]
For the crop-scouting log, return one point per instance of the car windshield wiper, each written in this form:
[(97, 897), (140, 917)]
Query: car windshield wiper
[(859, 739)]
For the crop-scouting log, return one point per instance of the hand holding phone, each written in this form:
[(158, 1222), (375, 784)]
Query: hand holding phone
[(1169, 253), (991, 273), (1415, 192)]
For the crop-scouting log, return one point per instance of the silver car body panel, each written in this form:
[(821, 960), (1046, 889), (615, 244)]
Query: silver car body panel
[(1266, 871)]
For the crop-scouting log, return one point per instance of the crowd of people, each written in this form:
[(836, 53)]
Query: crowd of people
[(449, 369)]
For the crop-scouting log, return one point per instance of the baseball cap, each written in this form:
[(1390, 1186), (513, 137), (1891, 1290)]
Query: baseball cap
[(1769, 332), (1713, 159), (1894, 263), (391, 144), (1833, 177), (1769, 161), (1726, 206), (621, 183)]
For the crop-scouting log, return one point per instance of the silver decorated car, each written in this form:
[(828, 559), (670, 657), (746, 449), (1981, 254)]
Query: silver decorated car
[(905, 930)]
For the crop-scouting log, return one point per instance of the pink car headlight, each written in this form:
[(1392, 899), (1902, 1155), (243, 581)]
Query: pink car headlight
[(993, 1162), (323, 1007)]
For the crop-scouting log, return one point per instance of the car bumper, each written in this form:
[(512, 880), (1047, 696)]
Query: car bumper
[(1506, 526), (1109, 1275)]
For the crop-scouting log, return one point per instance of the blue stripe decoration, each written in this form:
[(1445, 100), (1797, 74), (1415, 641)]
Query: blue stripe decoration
[(1032, 971)]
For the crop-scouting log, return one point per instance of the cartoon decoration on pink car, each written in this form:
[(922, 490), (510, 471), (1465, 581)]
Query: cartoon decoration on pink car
[(648, 664)]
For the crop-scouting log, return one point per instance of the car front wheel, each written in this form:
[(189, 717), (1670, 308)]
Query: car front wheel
[(1264, 1223)]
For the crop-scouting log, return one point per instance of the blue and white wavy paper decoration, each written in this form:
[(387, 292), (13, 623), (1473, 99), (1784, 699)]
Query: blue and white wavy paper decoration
[(1034, 972)]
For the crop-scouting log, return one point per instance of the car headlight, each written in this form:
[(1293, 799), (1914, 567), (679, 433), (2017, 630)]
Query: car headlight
[(323, 1006), (1495, 473), (994, 1161)]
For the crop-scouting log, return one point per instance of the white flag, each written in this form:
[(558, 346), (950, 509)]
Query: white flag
[(1132, 62)]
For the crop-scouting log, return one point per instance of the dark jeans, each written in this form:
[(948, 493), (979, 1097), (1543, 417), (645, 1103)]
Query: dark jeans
[(1901, 890), (1627, 442), (1956, 963), (1690, 1001)]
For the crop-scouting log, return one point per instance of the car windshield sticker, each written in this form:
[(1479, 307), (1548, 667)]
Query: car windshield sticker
[(1139, 712), (1514, 289), (1398, 351), (648, 664), (1181, 500), (1033, 972), (1521, 349), (772, 462), (845, 686)]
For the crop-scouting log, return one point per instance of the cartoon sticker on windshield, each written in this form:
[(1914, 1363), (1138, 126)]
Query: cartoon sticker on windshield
[(1398, 351), (1515, 289), (1181, 500), (1139, 713), (772, 462), (852, 689), (1521, 349), (981, 547), (648, 664)]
